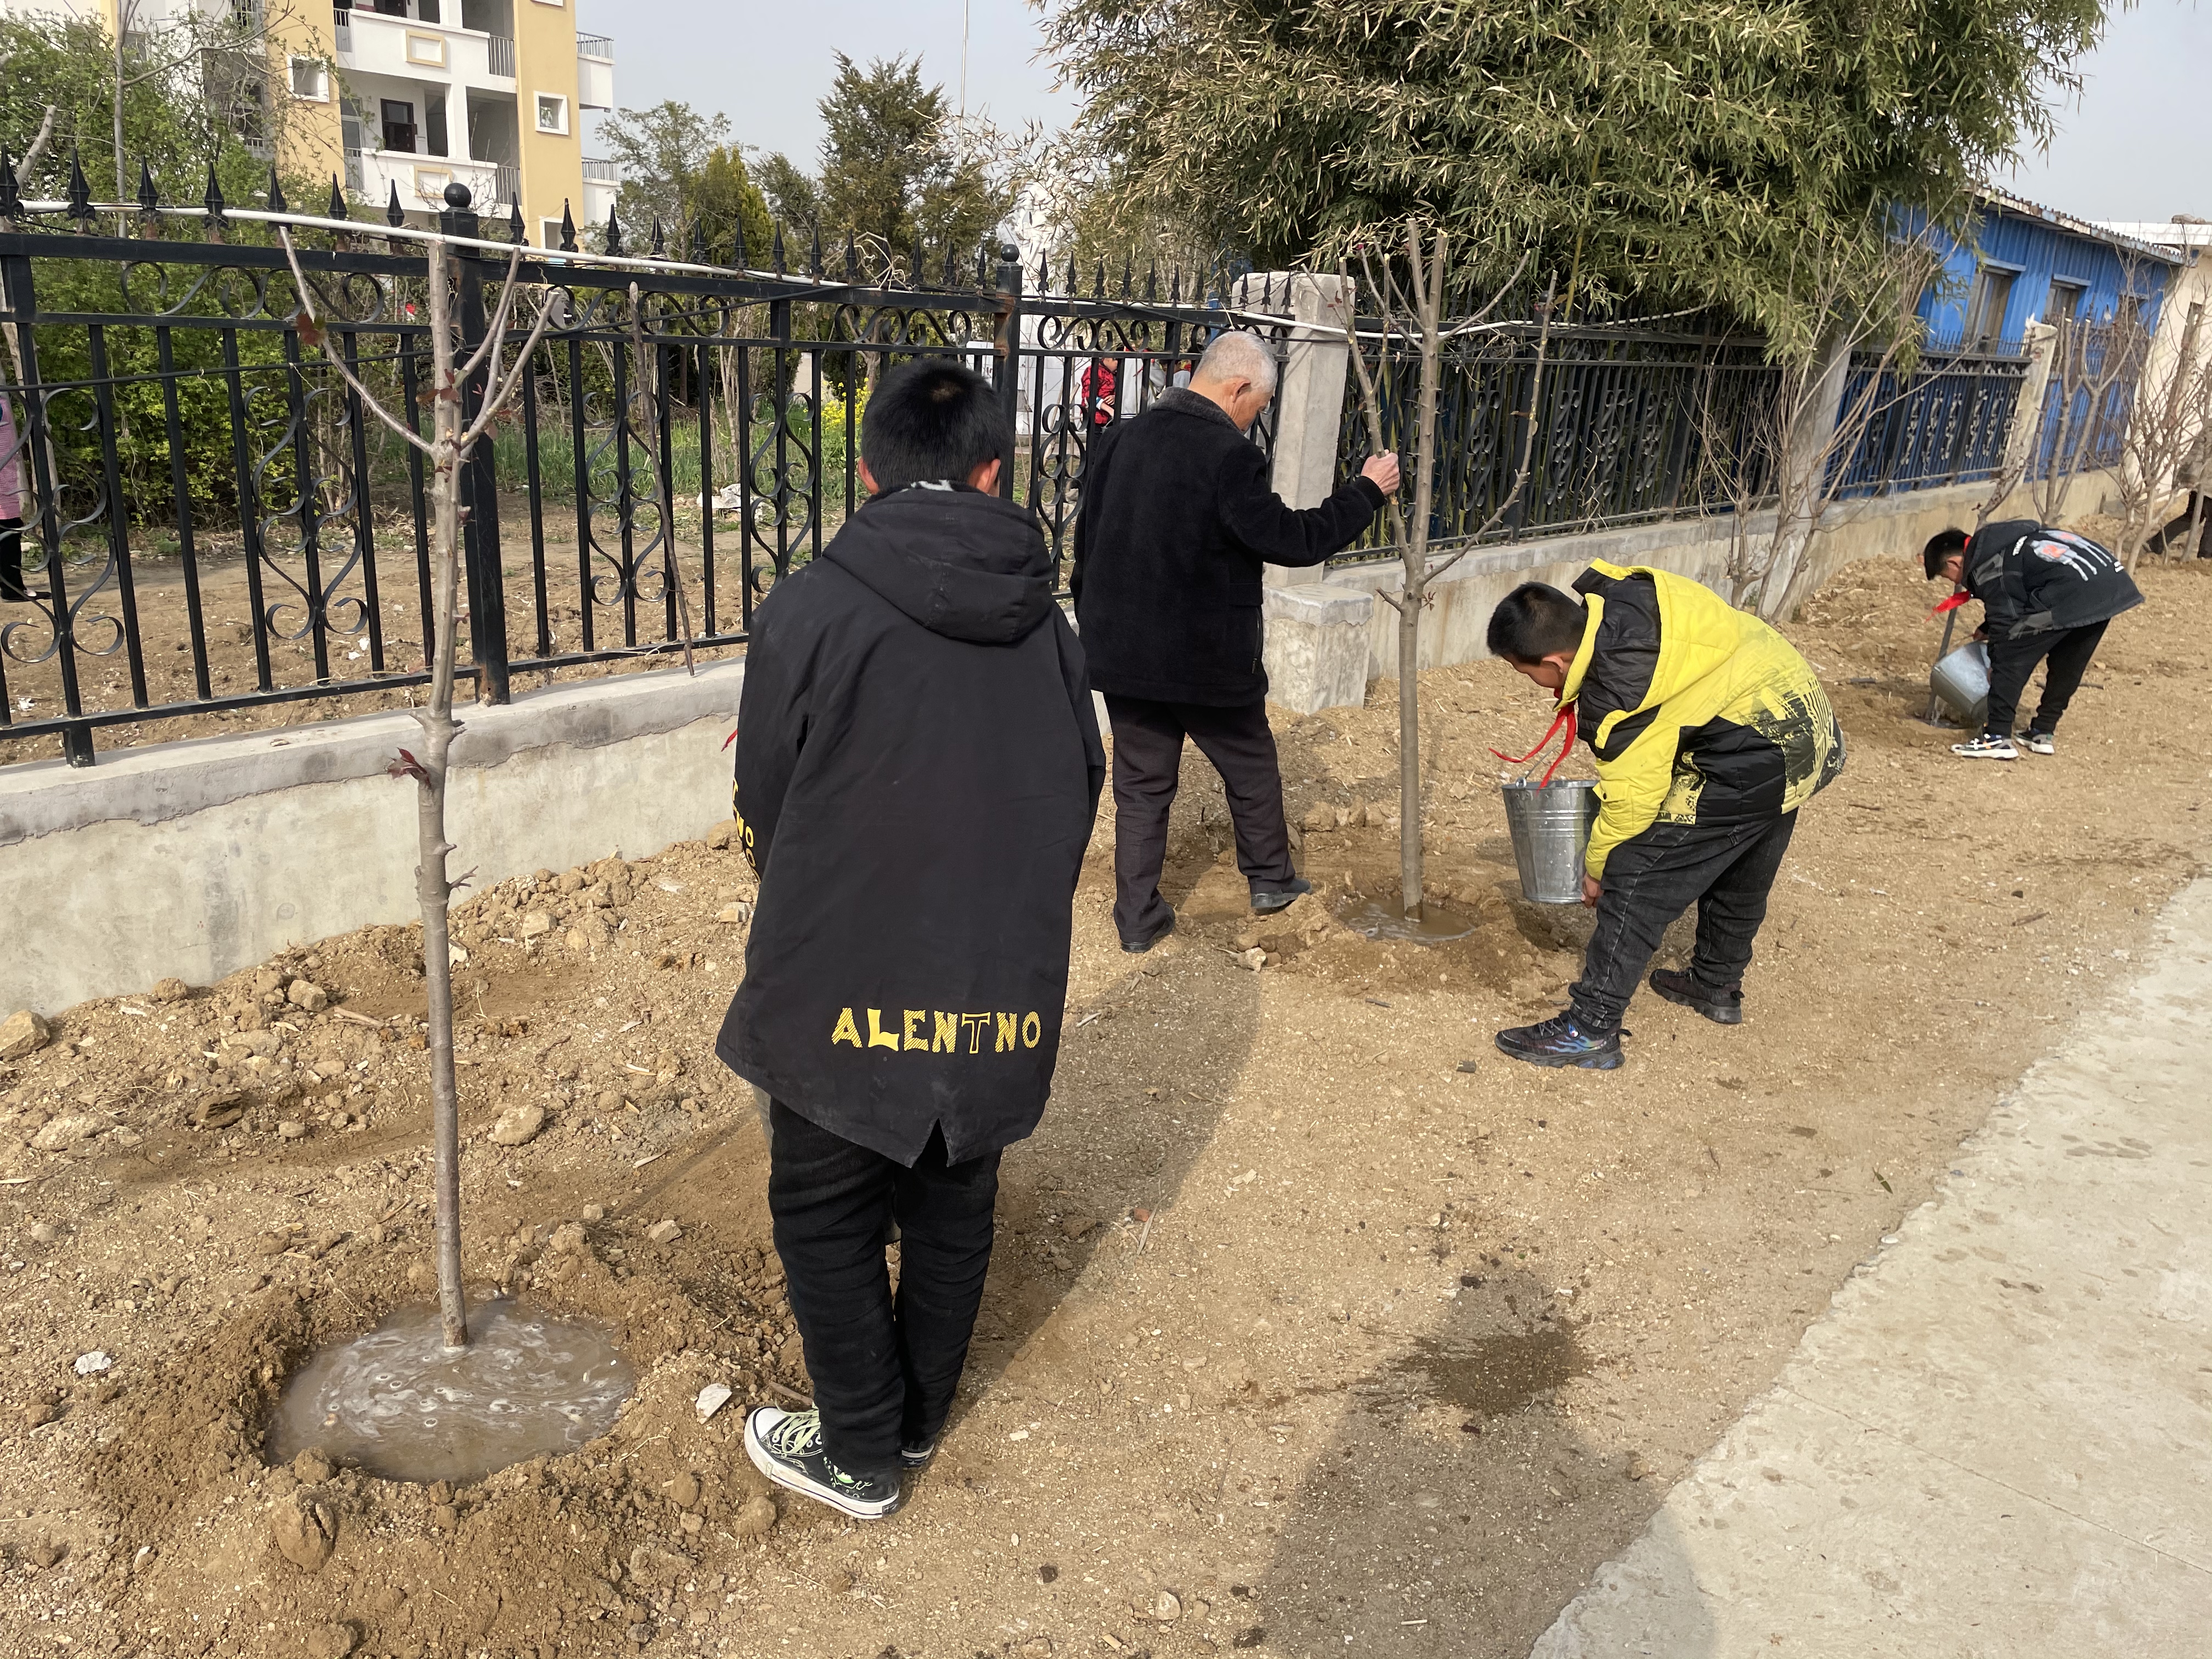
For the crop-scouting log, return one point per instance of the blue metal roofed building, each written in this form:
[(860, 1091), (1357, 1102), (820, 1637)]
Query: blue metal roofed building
[(2030, 263)]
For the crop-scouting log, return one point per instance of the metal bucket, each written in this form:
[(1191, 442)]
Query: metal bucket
[(1961, 683), (1551, 827)]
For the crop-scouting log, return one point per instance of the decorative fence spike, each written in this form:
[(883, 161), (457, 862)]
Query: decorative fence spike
[(983, 269), (1070, 289), (515, 233), (1098, 282), (913, 269), (338, 209), (11, 201), (150, 198), (614, 231), (698, 247), (659, 248), (1153, 282), (775, 251), (276, 192), (1175, 288), (1128, 272), (737, 258), (80, 189), (394, 214), (952, 268), (568, 227), (851, 258), (213, 199), (814, 256)]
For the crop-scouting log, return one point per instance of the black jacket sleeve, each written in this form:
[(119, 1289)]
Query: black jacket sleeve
[(1094, 479), (1260, 521), (772, 721)]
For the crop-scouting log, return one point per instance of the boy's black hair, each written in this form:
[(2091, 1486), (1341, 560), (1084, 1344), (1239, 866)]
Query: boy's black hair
[(1941, 546), (1533, 621), (931, 421)]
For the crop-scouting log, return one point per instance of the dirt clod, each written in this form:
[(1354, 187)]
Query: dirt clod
[(312, 1467), (23, 1033), (517, 1124), (172, 989), (333, 1640), (306, 1529), (756, 1519)]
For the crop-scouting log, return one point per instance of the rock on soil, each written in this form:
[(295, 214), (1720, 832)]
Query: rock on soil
[(333, 1640), (755, 1520), (306, 994), (307, 1530), (23, 1033), (517, 1124), (64, 1133), (171, 990)]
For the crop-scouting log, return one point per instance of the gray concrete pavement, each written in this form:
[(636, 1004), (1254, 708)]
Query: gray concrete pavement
[(1997, 1443)]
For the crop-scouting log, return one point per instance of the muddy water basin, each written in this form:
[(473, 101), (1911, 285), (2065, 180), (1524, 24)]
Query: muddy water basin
[(397, 1403), (1383, 920)]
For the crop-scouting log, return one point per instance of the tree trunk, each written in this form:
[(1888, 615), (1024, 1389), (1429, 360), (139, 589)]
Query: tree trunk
[(432, 890), (1428, 295)]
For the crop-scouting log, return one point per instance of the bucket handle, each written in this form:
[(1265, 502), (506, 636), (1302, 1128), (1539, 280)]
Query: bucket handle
[(1565, 717)]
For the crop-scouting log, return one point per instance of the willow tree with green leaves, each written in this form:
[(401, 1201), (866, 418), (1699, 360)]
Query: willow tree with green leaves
[(1667, 152)]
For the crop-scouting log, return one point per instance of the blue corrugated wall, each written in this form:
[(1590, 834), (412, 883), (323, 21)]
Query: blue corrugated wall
[(2039, 252)]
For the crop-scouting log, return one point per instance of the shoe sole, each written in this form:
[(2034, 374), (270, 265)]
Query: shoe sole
[(1968, 754), (1605, 1062), (1719, 1012), (766, 1462), (1137, 947)]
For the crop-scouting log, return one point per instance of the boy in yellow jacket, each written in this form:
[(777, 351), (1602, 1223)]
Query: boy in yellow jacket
[(1710, 733)]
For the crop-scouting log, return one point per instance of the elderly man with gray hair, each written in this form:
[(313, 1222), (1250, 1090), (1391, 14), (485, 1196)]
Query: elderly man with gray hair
[(1177, 519)]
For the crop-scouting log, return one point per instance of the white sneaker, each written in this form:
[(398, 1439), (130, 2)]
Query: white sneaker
[(1987, 747), (2037, 743)]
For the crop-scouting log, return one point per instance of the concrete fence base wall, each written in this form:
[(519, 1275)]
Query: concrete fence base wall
[(1312, 630), (198, 859)]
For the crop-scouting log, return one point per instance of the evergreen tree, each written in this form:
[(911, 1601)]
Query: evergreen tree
[(1681, 151)]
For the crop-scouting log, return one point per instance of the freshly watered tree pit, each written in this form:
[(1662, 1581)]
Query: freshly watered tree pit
[(400, 1404)]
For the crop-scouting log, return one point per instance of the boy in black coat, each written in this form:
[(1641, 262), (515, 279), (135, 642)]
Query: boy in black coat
[(918, 765), (2046, 593)]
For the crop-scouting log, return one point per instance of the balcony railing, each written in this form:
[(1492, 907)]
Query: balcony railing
[(596, 45), (502, 55), (598, 172), (507, 188)]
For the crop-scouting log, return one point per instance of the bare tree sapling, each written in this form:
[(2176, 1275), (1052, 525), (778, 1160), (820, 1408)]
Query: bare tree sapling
[(453, 438)]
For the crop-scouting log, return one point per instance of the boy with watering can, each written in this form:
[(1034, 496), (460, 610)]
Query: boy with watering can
[(2045, 593), (1710, 733)]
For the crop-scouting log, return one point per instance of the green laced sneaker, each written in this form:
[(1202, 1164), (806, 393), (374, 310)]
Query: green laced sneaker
[(787, 1448)]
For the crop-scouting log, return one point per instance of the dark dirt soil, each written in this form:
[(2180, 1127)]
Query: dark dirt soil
[(1316, 1326)]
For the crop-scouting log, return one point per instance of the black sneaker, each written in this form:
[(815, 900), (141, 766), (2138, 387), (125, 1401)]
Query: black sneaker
[(1137, 947), (2037, 743), (787, 1448), (1722, 1007), (1559, 1042), (917, 1457), (1266, 903)]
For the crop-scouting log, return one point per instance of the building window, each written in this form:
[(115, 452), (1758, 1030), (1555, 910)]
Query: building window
[(311, 79), (548, 233), (427, 50), (1985, 306), (2063, 303), (552, 112)]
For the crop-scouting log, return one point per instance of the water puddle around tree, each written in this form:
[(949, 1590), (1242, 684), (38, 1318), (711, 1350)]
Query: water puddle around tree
[(397, 1403), (1381, 918)]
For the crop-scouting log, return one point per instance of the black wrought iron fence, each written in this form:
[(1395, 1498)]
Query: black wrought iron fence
[(1944, 421), (215, 524), (1629, 422)]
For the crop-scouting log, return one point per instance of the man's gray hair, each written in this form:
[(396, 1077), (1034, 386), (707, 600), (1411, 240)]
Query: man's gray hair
[(1238, 355)]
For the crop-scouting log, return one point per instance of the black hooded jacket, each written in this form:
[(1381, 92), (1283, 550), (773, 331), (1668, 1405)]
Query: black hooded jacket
[(2034, 579), (918, 765), (1177, 522)]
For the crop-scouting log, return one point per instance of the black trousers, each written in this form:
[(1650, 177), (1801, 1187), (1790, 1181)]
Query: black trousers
[(885, 1368), (1726, 869), (1147, 761), (2011, 661)]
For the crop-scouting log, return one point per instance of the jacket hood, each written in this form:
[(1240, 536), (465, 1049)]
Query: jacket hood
[(1698, 630), (963, 564)]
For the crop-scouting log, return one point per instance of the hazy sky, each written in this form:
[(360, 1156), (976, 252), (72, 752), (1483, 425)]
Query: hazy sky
[(2138, 145)]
